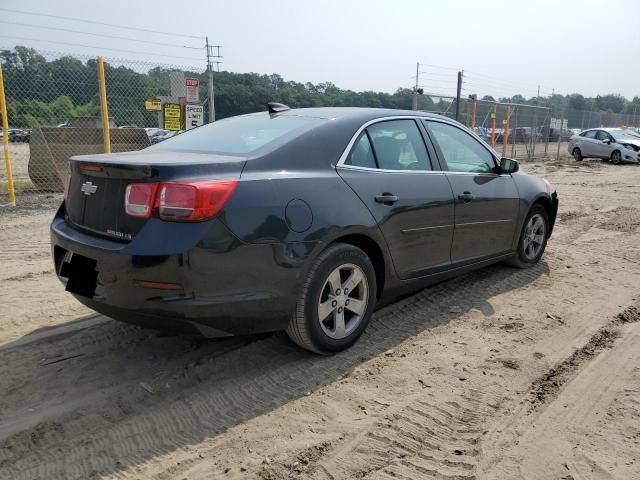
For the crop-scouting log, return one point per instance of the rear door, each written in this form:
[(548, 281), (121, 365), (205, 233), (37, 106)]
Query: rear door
[(393, 172), (486, 202)]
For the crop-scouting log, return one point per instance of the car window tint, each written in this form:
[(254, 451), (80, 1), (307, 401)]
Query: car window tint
[(398, 145), (590, 134), (602, 135), (240, 135), (362, 153), (462, 152)]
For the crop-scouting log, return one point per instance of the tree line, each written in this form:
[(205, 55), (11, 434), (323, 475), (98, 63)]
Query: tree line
[(42, 91)]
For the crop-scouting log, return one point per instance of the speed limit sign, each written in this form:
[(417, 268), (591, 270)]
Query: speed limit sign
[(194, 116)]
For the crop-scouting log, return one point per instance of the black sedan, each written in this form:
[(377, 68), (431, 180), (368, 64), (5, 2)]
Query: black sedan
[(302, 220)]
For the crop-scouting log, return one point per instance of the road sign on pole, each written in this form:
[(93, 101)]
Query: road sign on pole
[(172, 116), (194, 116), (193, 89)]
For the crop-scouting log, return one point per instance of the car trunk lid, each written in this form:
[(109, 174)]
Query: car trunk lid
[(96, 196)]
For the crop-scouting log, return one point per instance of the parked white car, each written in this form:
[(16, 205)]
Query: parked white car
[(614, 144)]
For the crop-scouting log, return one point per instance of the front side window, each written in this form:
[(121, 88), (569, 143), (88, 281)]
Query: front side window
[(602, 135), (462, 152), (398, 145)]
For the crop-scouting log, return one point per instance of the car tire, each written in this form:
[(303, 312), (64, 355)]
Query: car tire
[(530, 246), (577, 154), (616, 157), (323, 295)]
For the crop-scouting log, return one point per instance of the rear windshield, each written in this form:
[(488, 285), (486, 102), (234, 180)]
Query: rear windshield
[(241, 135)]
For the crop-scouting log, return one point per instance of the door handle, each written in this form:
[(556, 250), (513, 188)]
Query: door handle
[(386, 198), (466, 196)]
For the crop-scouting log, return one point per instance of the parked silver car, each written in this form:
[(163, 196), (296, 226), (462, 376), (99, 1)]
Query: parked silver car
[(614, 144)]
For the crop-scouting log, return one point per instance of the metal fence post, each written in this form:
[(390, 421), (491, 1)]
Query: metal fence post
[(5, 142), (505, 135), (560, 137), (493, 125), (103, 105), (513, 143), (474, 108)]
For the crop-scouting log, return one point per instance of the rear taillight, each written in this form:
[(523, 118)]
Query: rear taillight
[(193, 201), (139, 199), (67, 184), (178, 201)]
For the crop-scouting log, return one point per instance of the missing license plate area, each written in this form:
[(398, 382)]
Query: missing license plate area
[(80, 273)]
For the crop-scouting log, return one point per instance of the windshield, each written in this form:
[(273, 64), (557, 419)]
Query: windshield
[(624, 135), (241, 135)]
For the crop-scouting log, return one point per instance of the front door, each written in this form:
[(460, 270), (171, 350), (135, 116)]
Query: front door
[(486, 202), (604, 150), (390, 169)]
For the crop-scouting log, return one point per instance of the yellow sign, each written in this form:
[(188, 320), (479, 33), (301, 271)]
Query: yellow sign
[(153, 105), (172, 116)]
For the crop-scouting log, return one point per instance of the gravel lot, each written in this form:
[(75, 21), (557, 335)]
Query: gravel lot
[(498, 374)]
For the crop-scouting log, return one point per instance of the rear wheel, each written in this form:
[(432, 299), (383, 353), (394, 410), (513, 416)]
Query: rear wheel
[(533, 238), (337, 301), (577, 154), (616, 157)]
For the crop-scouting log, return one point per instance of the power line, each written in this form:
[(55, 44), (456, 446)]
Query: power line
[(162, 44), (442, 67), (60, 17), (98, 48)]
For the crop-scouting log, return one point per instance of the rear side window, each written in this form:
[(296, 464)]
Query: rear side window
[(362, 153), (398, 145), (241, 135), (590, 134)]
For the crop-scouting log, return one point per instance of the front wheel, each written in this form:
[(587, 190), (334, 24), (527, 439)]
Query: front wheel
[(533, 238), (336, 302), (616, 157)]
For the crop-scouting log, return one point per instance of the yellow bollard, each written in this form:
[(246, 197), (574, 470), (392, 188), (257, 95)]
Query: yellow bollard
[(103, 104), (5, 142)]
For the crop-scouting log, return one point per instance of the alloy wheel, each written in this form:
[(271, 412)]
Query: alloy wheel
[(615, 158), (343, 301), (534, 235)]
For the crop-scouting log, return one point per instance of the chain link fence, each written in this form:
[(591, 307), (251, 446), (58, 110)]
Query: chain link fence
[(515, 130), (54, 112)]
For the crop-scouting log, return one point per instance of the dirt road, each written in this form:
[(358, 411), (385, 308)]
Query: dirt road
[(499, 374)]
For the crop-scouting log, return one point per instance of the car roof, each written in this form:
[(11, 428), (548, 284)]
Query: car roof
[(355, 113)]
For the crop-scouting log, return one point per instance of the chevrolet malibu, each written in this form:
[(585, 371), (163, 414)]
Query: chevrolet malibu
[(302, 220)]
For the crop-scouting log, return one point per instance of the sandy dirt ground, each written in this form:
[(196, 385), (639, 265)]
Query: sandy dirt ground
[(498, 374)]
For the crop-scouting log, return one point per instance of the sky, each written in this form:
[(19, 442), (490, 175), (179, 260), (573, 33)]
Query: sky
[(503, 47)]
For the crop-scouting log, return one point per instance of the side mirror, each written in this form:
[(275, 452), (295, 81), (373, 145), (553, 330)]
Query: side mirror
[(607, 141), (508, 165)]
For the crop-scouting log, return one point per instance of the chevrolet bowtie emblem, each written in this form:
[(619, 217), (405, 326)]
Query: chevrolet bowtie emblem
[(88, 188)]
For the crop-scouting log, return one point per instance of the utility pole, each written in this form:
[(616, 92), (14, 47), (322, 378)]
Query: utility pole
[(415, 88), (538, 90), (213, 51), (458, 92)]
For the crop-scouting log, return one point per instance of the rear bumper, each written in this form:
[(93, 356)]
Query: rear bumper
[(218, 284)]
